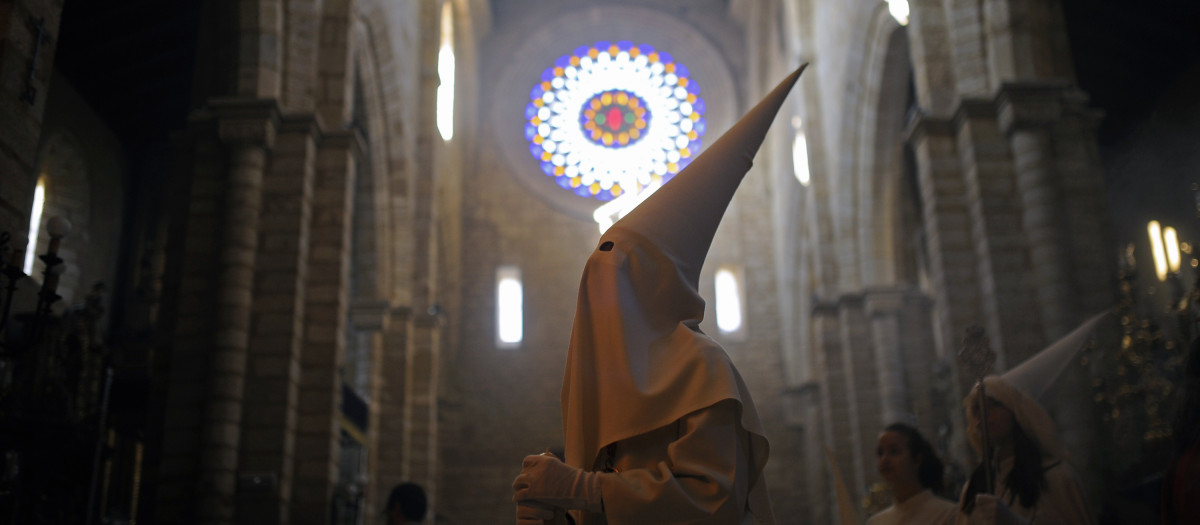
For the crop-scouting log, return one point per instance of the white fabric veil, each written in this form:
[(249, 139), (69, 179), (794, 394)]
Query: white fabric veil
[(637, 359), (1023, 389)]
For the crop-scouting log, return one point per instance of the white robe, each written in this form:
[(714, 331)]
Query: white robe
[(696, 470), (1060, 503), (922, 509), (643, 383)]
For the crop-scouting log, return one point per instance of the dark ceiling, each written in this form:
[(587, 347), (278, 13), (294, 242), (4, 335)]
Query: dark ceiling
[(133, 60), (1127, 55)]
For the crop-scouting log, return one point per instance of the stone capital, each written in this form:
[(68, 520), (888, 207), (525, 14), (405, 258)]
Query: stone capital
[(307, 124), (349, 139), (824, 307), (1027, 105), (246, 121), (970, 109), (924, 126), (879, 302), (370, 315), (800, 403)]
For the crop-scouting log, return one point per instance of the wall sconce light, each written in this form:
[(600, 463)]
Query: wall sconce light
[(1164, 245), (899, 10)]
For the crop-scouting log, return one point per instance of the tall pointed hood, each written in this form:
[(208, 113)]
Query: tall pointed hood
[(682, 216), (638, 360), (1024, 389)]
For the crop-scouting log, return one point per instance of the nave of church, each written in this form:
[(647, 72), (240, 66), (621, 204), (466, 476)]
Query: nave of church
[(260, 261)]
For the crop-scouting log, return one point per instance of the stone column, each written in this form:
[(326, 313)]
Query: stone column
[(273, 371), (861, 395), (371, 320), (835, 419), (951, 254), (919, 359), (1027, 113), (1081, 178), (883, 308), (952, 265), (189, 312), (802, 405), (248, 127), (420, 402), (325, 314), (391, 460), (1001, 253)]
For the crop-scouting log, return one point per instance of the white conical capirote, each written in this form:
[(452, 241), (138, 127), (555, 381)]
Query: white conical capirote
[(682, 216), (1038, 374), (1024, 388)]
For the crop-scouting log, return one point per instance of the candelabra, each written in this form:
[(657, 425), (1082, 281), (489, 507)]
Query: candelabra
[(977, 358), (1134, 381), (56, 376)]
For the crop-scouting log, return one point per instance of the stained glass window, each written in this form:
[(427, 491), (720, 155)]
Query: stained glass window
[(613, 118)]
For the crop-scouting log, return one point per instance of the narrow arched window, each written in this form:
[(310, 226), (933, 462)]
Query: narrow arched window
[(510, 315), (445, 91), (800, 152), (35, 224), (730, 301)]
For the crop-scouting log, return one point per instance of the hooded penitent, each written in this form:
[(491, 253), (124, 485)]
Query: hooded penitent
[(1023, 389), (638, 360)]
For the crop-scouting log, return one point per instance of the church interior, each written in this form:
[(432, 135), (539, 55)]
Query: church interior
[(261, 261)]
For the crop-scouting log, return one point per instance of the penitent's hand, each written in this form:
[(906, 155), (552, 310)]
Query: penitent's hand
[(533, 514), (546, 480), (992, 510)]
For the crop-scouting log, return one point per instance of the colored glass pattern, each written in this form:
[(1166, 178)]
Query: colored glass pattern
[(614, 117)]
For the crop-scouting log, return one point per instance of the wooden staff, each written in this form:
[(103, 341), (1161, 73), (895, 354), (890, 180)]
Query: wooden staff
[(977, 358)]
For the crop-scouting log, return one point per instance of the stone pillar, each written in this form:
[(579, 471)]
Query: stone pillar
[(861, 395), (248, 127), (1081, 178), (28, 38), (273, 371), (883, 307), (1001, 253), (189, 317), (391, 460), (1027, 113), (371, 320), (951, 254), (952, 267), (325, 314), (420, 402), (803, 412), (902, 333), (423, 341), (919, 359), (835, 419)]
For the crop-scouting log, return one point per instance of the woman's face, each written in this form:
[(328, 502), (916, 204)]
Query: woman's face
[(1000, 421), (895, 463)]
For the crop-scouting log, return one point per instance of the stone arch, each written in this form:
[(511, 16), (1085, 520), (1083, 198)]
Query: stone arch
[(390, 144), (845, 187), (378, 107), (65, 167), (1026, 40), (372, 222), (880, 151), (334, 68), (933, 70), (304, 47), (259, 51)]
